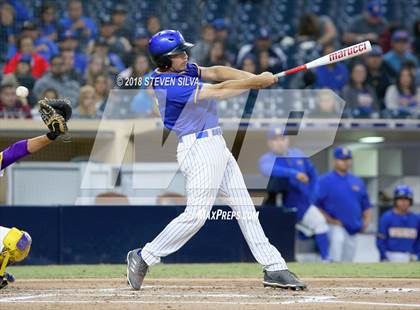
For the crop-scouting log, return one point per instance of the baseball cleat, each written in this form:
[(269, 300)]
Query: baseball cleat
[(282, 279), (136, 269)]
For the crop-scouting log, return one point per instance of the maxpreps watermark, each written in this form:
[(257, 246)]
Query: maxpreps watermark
[(223, 215), (157, 81)]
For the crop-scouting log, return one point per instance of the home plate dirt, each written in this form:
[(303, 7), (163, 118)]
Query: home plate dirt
[(171, 294)]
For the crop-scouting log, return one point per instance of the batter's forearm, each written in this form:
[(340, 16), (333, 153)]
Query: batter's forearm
[(224, 73)]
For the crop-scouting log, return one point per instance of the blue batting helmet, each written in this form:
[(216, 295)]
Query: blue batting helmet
[(164, 44), (403, 191)]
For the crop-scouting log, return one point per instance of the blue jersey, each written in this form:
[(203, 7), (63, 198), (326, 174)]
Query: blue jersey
[(344, 198), (397, 233), (177, 95), (299, 195)]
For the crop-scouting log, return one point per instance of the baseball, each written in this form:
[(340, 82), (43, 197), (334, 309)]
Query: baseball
[(22, 91)]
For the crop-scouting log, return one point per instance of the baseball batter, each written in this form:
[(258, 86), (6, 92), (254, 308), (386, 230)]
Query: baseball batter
[(188, 108), (14, 243)]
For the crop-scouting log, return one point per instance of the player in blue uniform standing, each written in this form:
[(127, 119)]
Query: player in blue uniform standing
[(398, 231), (343, 199), (292, 174), (188, 109)]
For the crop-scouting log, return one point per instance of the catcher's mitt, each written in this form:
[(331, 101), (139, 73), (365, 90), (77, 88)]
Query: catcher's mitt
[(55, 113)]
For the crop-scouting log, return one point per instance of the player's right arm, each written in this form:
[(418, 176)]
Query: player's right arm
[(233, 88), (382, 236)]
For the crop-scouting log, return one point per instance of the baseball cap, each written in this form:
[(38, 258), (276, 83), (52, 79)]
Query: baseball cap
[(275, 131), (105, 20), (400, 35), (28, 25), (219, 24), (141, 33), (264, 33), (341, 152), (376, 51), (119, 8), (374, 8)]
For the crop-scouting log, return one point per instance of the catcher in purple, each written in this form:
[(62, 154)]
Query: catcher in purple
[(15, 243)]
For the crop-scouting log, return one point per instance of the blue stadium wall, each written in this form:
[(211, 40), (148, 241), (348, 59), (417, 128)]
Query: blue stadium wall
[(104, 234)]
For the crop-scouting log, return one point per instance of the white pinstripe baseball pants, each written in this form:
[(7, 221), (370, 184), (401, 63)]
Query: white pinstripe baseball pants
[(210, 169)]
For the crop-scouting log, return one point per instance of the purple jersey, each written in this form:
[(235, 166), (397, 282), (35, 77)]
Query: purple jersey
[(177, 95), (13, 153)]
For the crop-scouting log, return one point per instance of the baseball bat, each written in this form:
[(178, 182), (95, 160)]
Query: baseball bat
[(345, 53)]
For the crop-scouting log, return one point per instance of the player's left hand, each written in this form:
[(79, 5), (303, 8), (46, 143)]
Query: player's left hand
[(55, 113)]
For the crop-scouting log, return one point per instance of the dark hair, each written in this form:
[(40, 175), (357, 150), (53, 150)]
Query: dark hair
[(54, 57), (52, 90), (416, 28), (412, 86), (309, 25), (20, 39), (6, 85), (46, 6), (352, 67)]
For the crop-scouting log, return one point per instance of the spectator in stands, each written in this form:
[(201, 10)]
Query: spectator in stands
[(10, 106), (50, 93), (319, 29), (117, 45), (75, 24), (343, 199), (80, 60), (378, 76), (415, 71), (216, 56), (142, 102), (138, 69), (153, 25), (22, 13), (306, 80), (202, 47), (102, 85), (326, 105), (26, 48), (86, 108), (139, 45), (293, 175), (56, 79), (403, 98), (263, 43), (399, 229), (119, 16), (249, 64), (96, 66), (48, 24), (400, 52), (360, 97), (333, 76), (7, 29), (112, 61), (43, 46), (367, 26), (23, 77), (69, 67), (222, 34)]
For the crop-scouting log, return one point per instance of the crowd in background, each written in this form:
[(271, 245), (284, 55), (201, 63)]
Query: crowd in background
[(68, 54)]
